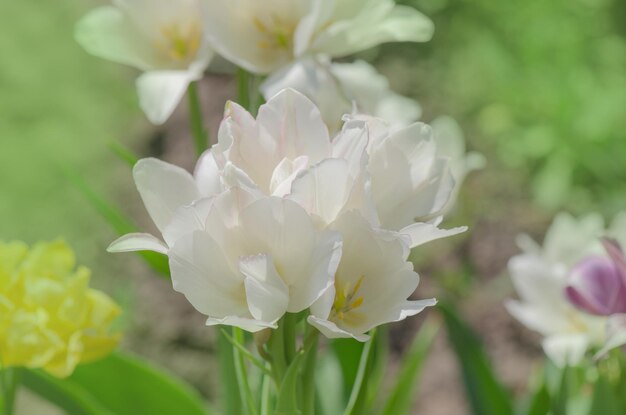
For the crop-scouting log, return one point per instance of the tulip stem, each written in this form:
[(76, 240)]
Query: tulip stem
[(359, 389), (200, 134), (10, 382), (290, 322), (277, 351), (243, 88), (311, 341), (242, 375)]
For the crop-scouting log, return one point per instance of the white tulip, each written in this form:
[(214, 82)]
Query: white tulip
[(337, 87), (164, 39), (252, 262), (372, 285), (540, 275), (263, 36)]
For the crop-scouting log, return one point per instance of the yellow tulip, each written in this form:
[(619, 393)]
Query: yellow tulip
[(49, 317)]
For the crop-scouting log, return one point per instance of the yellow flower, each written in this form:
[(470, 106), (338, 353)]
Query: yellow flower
[(49, 317)]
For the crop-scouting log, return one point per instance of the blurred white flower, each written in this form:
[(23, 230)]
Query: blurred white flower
[(164, 39), (263, 36), (372, 285), (337, 87), (541, 276)]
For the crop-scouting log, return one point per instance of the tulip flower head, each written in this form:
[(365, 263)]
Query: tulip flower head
[(49, 317), (597, 284), (336, 88), (570, 290), (263, 36), (164, 39)]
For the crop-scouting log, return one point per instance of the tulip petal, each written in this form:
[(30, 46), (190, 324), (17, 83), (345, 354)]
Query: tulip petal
[(207, 175), (106, 33), (187, 219), (566, 349), (266, 293), (201, 272), (163, 188), (246, 324), (423, 232), (332, 331), (615, 334), (161, 91), (295, 127), (138, 242)]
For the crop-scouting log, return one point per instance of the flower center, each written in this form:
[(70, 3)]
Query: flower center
[(346, 298), (277, 35), (180, 42)]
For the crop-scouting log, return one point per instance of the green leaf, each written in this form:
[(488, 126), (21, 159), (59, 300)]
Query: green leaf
[(348, 352), (486, 394), (287, 400), (403, 394), (67, 395), (604, 399), (229, 387), (360, 386), (330, 385), (539, 402), (129, 386), (115, 219), (117, 385), (123, 153)]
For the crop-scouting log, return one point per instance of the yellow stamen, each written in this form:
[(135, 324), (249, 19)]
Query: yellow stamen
[(179, 42), (346, 299)]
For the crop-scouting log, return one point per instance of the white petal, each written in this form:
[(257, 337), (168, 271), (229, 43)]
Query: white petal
[(306, 258), (295, 125), (615, 334), (231, 27), (207, 175), (566, 349), (266, 293), (201, 272), (331, 331), (323, 190), (285, 173), (187, 219), (138, 242), (247, 324), (105, 32), (163, 188), (423, 232), (161, 91), (378, 22)]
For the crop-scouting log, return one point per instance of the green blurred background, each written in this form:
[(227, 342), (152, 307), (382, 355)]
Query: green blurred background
[(538, 86)]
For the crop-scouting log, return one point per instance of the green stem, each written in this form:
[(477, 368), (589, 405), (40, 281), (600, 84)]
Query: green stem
[(277, 351), (266, 390), (243, 88), (200, 134), (229, 384), (289, 321), (359, 389), (311, 342), (10, 383), (242, 375)]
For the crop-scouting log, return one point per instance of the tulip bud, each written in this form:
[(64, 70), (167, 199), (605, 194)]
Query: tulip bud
[(596, 286)]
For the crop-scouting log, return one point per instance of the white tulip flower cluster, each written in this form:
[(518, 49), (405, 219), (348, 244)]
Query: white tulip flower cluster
[(572, 290), (280, 218), (173, 42)]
